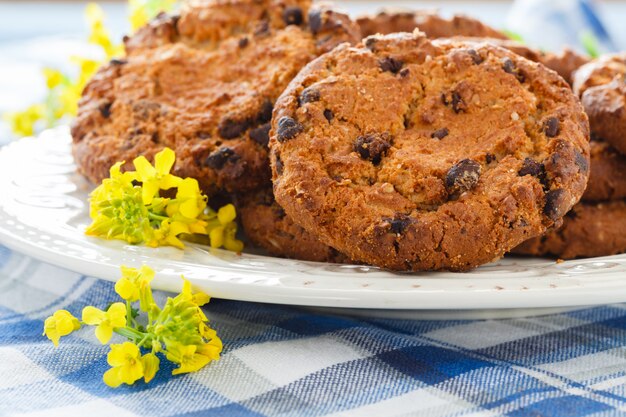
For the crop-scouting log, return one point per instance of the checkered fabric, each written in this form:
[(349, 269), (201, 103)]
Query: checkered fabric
[(286, 361)]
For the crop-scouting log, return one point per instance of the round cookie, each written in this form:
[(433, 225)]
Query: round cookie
[(601, 85), (565, 62), (204, 84), (607, 180), (429, 22), (588, 230), (413, 154), (266, 225)]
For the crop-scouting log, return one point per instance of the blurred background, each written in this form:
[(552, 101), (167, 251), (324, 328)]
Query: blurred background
[(45, 34)]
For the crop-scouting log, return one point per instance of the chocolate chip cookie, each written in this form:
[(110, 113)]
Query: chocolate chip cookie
[(589, 229), (564, 62), (413, 154), (204, 84), (601, 85), (607, 180), (429, 22), (266, 225)]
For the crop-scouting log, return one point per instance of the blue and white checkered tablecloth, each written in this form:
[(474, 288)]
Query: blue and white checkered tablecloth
[(285, 361)]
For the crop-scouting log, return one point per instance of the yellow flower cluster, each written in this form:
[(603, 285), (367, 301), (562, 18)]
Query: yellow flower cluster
[(179, 331), (65, 90), (128, 206)]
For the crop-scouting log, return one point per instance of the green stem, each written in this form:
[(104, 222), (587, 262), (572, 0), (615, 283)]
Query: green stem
[(129, 333), (153, 216)]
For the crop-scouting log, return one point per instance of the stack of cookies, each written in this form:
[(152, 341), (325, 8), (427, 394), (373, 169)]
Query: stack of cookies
[(430, 144), (597, 225)]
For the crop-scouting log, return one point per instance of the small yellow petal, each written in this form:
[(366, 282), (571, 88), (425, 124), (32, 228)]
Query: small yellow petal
[(150, 366), (226, 214), (104, 332), (93, 316), (127, 290), (112, 378), (164, 161), (217, 237)]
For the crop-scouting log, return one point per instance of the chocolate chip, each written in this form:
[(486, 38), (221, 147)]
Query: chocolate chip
[(555, 204), (390, 64), (551, 127), (287, 129), (440, 133), (261, 134), (328, 114), (278, 164), (404, 72), (571, 214), (155, 137), (217, 159), (279, 212), (262, 28), (532, 167), (115, 61), (231, 129), (308, 95), (293, 15), (458, 105), (265, 114), (370, 43), (463, 176), (509, 67), (489, 158), (398, 224), (476, 58), (105, 110), (315, 21), (373, 146), (243, 42), (581, 161), (444, 99)]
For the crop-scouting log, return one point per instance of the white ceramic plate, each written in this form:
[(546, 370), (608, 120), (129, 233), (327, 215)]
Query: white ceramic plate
[(43, 212)]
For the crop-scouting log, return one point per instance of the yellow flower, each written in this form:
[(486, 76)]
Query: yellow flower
[(157, 177), (135, 285), (222, 229), (23, 122), (151, 364), (127, 365), (99, 34), (198, 298), (189, 200), (187, 357), (212, 349), (53, 77), (61, 323), (114, 317)]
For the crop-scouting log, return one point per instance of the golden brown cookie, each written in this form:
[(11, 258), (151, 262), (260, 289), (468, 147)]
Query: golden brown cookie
[(429, 22), (266, 225), (413, 154), (607, 180), (203, 84), (601, 85), (564, 62), (589, 229)]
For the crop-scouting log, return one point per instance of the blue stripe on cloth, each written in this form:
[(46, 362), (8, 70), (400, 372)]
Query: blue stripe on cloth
[(561, 407)]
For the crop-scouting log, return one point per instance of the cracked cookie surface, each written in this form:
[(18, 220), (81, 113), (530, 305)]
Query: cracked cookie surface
[(588, 230), (204, 84), (425, 155)]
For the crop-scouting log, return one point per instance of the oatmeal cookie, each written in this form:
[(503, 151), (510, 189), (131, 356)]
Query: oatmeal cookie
[(266, 225), (589, 229), (413, 154), (601, 85), (429, 22), (204, 84), (565, 62)]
